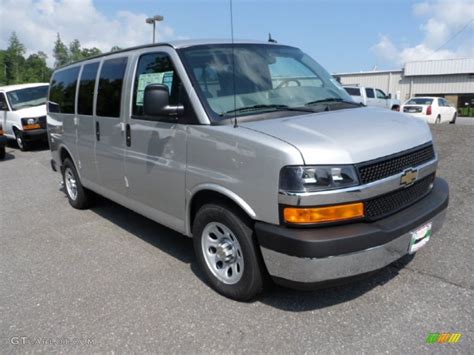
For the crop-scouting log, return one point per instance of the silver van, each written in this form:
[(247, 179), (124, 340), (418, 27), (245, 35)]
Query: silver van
[(256, 152)]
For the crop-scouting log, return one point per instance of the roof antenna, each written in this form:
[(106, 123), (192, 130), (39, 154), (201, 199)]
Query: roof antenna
[(233, 62), (270, 39)]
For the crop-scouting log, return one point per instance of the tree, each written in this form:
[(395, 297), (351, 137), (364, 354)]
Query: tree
[(14, 60), (3, 67), (36, 69), (115, 49), (60, 53), (91, 52), (75, 52)]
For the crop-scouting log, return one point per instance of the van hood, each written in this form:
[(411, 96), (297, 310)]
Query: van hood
[(29, 112), (346, 136)]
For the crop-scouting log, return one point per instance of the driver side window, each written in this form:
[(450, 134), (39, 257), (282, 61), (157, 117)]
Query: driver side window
[(154, 68), (3, 102), (380, 94)]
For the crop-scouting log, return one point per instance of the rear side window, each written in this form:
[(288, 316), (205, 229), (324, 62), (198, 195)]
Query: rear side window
[(109, 95), (370, 93), (353, 91), (85, 99), (62, 93)]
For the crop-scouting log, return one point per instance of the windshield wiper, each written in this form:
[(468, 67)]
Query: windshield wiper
[(331, 99), (262, 106)]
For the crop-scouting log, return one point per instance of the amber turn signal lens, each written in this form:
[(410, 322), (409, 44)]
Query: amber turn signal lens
[(31, 126), (1, 132), (323, 214)]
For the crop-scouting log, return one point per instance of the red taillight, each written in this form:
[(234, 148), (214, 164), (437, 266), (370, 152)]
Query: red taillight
[(428, 110)]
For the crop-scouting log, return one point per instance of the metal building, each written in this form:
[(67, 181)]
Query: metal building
[(452, 79)]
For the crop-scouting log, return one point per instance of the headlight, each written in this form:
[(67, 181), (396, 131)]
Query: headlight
[(31, 121), (317, 178)]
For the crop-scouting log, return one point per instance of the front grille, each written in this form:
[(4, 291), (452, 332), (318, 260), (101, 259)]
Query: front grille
[(42, 121), (391, 165), (394, 201)]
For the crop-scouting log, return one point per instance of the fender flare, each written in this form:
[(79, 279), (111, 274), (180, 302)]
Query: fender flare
[(239, 201), (60, 148)]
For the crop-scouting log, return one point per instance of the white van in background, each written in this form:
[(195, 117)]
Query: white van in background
[(23, 112), (372, 97)]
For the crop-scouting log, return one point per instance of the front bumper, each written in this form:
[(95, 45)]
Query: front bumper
[(301, 256), (35, 134), (3, 141)]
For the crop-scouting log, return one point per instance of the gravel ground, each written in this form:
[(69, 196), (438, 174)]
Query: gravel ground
[(109, 280)]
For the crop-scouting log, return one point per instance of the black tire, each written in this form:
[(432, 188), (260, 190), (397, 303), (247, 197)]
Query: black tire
[(253, 277), (83, 198), (453, 121), (2, 153), (20, 142)]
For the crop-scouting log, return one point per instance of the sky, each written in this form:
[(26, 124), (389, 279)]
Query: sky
[(342, 35)]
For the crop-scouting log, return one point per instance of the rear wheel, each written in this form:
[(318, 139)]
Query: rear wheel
[(79, 197), (453, 121), (227, 252)]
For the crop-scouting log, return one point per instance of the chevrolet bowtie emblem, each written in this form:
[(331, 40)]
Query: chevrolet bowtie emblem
[(408, 177)]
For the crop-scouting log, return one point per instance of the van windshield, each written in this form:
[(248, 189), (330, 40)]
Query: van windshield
[(28, 97), (265, 78)]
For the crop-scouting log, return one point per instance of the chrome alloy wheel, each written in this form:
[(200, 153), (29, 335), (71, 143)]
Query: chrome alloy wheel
[(222, 253), (19, 140), (71, 184)]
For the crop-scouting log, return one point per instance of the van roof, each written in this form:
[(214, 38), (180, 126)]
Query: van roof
[(176, 45), (8, 88)]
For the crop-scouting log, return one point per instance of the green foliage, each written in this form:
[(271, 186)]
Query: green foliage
[(60, 53), (16, 69), (14, 60)]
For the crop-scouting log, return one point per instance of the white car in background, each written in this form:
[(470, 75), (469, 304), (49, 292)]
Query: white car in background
[(431, 109), (372, 97), (23, 112)]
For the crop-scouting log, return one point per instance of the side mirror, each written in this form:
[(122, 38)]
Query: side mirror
[(389, 96), (156, 104), (3, 106)]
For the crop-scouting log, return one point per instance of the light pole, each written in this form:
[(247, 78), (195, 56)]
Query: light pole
[(152, 21)]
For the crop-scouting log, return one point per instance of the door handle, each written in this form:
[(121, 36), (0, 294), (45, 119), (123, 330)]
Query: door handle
[(97, 131), (128, 135)]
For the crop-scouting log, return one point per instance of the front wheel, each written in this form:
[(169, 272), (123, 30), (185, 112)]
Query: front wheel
[(20, 141), (227, 252), (453, 121), (2, 153), (79, 197)]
